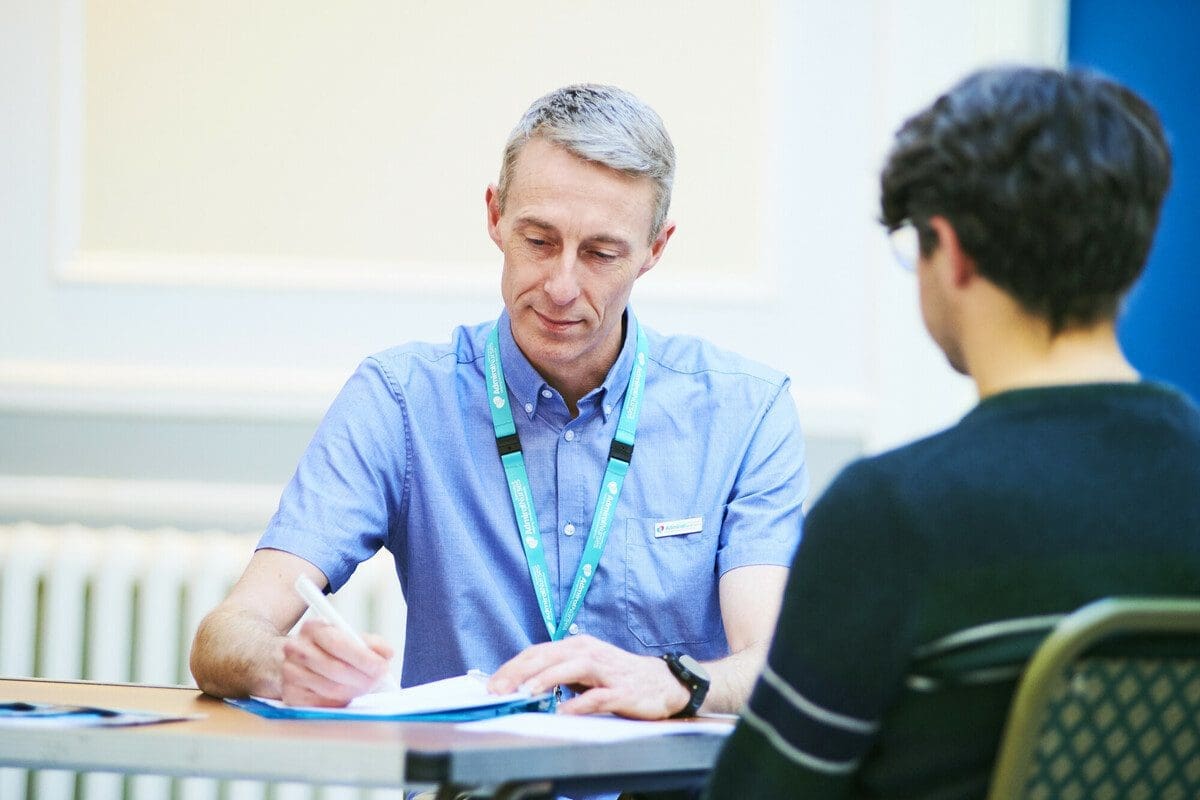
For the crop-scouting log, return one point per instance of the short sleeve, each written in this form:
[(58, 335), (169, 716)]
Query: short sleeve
[(765, 515), (345, 497)]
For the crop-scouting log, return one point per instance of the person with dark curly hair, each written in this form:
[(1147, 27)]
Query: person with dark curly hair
[(1029, 199)]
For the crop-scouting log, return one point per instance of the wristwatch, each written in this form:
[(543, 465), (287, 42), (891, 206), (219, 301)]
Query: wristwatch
[(694, 678)]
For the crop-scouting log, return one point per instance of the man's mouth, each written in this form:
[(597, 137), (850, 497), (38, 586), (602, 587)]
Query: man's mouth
[(556, 324)]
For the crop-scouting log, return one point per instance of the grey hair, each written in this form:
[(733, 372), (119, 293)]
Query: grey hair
[(605, 125)]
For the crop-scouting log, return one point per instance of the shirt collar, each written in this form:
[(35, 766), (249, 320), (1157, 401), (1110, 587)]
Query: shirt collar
[(527, 385)]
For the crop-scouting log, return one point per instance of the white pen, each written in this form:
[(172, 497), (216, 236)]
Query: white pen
[(324, 609)]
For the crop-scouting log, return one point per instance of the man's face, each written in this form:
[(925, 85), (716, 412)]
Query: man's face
[(575, 236)]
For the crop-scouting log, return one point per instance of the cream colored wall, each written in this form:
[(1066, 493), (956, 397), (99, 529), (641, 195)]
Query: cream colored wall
[(210, 212), (365, 131)]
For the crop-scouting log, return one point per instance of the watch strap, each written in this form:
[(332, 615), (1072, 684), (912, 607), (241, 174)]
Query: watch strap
[(696, 684)]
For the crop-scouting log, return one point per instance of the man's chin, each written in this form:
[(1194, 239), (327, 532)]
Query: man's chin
[(547, 347)]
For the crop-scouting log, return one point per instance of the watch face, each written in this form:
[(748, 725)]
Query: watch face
[(694, 667)]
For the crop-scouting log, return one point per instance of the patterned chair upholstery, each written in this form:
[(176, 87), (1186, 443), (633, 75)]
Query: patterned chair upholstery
[(1108, 708)]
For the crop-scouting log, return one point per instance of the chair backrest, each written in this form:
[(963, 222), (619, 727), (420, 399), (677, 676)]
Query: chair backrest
[(1109, 707)]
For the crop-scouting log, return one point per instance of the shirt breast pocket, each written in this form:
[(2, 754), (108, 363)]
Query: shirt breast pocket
[(671, 578)]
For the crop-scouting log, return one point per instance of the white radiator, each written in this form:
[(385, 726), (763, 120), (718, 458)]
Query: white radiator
[(121, 605)]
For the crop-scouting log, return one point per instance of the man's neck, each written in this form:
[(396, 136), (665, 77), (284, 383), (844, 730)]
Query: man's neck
[(1030, 356), (581, 377), (574, 386)]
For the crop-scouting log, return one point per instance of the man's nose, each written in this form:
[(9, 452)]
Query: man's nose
[(562, 284)]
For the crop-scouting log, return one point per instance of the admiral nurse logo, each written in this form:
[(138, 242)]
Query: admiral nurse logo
[(678, 527)]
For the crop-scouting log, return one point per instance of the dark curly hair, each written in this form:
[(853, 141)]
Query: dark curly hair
[(1052, 181)]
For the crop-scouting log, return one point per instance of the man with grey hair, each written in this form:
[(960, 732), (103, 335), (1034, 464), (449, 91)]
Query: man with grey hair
[(500, 471)]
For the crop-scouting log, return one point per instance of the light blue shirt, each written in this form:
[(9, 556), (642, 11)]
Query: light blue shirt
[(406, 459)]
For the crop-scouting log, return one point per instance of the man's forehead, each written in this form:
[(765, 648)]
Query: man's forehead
[(540, 153), (546, 176)]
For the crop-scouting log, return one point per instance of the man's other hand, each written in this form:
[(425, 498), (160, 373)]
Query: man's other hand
[(607, 678), (322, 666)]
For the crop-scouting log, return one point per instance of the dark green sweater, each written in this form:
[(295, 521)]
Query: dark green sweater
[(1037, 502)]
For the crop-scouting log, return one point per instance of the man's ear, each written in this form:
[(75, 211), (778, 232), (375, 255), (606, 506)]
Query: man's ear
[(658, 246), (492, 200), (962, 266)]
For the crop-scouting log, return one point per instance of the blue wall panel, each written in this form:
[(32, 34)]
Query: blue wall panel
[(1154, 47)]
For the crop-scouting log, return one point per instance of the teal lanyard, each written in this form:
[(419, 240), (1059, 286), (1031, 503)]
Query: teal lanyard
[(619, 454)]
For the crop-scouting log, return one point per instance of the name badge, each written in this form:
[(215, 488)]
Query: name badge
[(678, 527)]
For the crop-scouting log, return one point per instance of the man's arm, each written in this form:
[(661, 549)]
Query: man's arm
[(642, 686), (242, 648), (750, 600)]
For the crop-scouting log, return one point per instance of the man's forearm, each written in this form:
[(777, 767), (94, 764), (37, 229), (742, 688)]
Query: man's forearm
[(237, 653), (733, 678), (750, 601)]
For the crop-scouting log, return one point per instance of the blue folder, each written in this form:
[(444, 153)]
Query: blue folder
[(542, 703)]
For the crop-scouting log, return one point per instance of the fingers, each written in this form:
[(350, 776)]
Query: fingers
[(380, 645), (593, 701), (325, 667), (527, 668), (348, 657), (303, 687), (576, 671), (518, 669), (632, 699), (610, 679)]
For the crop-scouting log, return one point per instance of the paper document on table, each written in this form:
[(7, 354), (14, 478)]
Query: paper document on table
[(594, 728), (18, 714), (453, 699)]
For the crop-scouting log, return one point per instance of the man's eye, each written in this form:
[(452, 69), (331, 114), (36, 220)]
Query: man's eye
[(601, 255), (535, 242)]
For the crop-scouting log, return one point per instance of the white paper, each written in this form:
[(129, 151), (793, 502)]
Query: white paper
[(451, 694), (593, 728)]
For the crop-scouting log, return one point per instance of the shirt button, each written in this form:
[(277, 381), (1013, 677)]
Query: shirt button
[(529, 408), (546, 393), (569, 529), (607, 409), (574, 629), (569, 436)]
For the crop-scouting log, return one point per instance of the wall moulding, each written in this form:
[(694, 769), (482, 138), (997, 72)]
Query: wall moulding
[(234, 393), (450, 281), (89, 387)]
